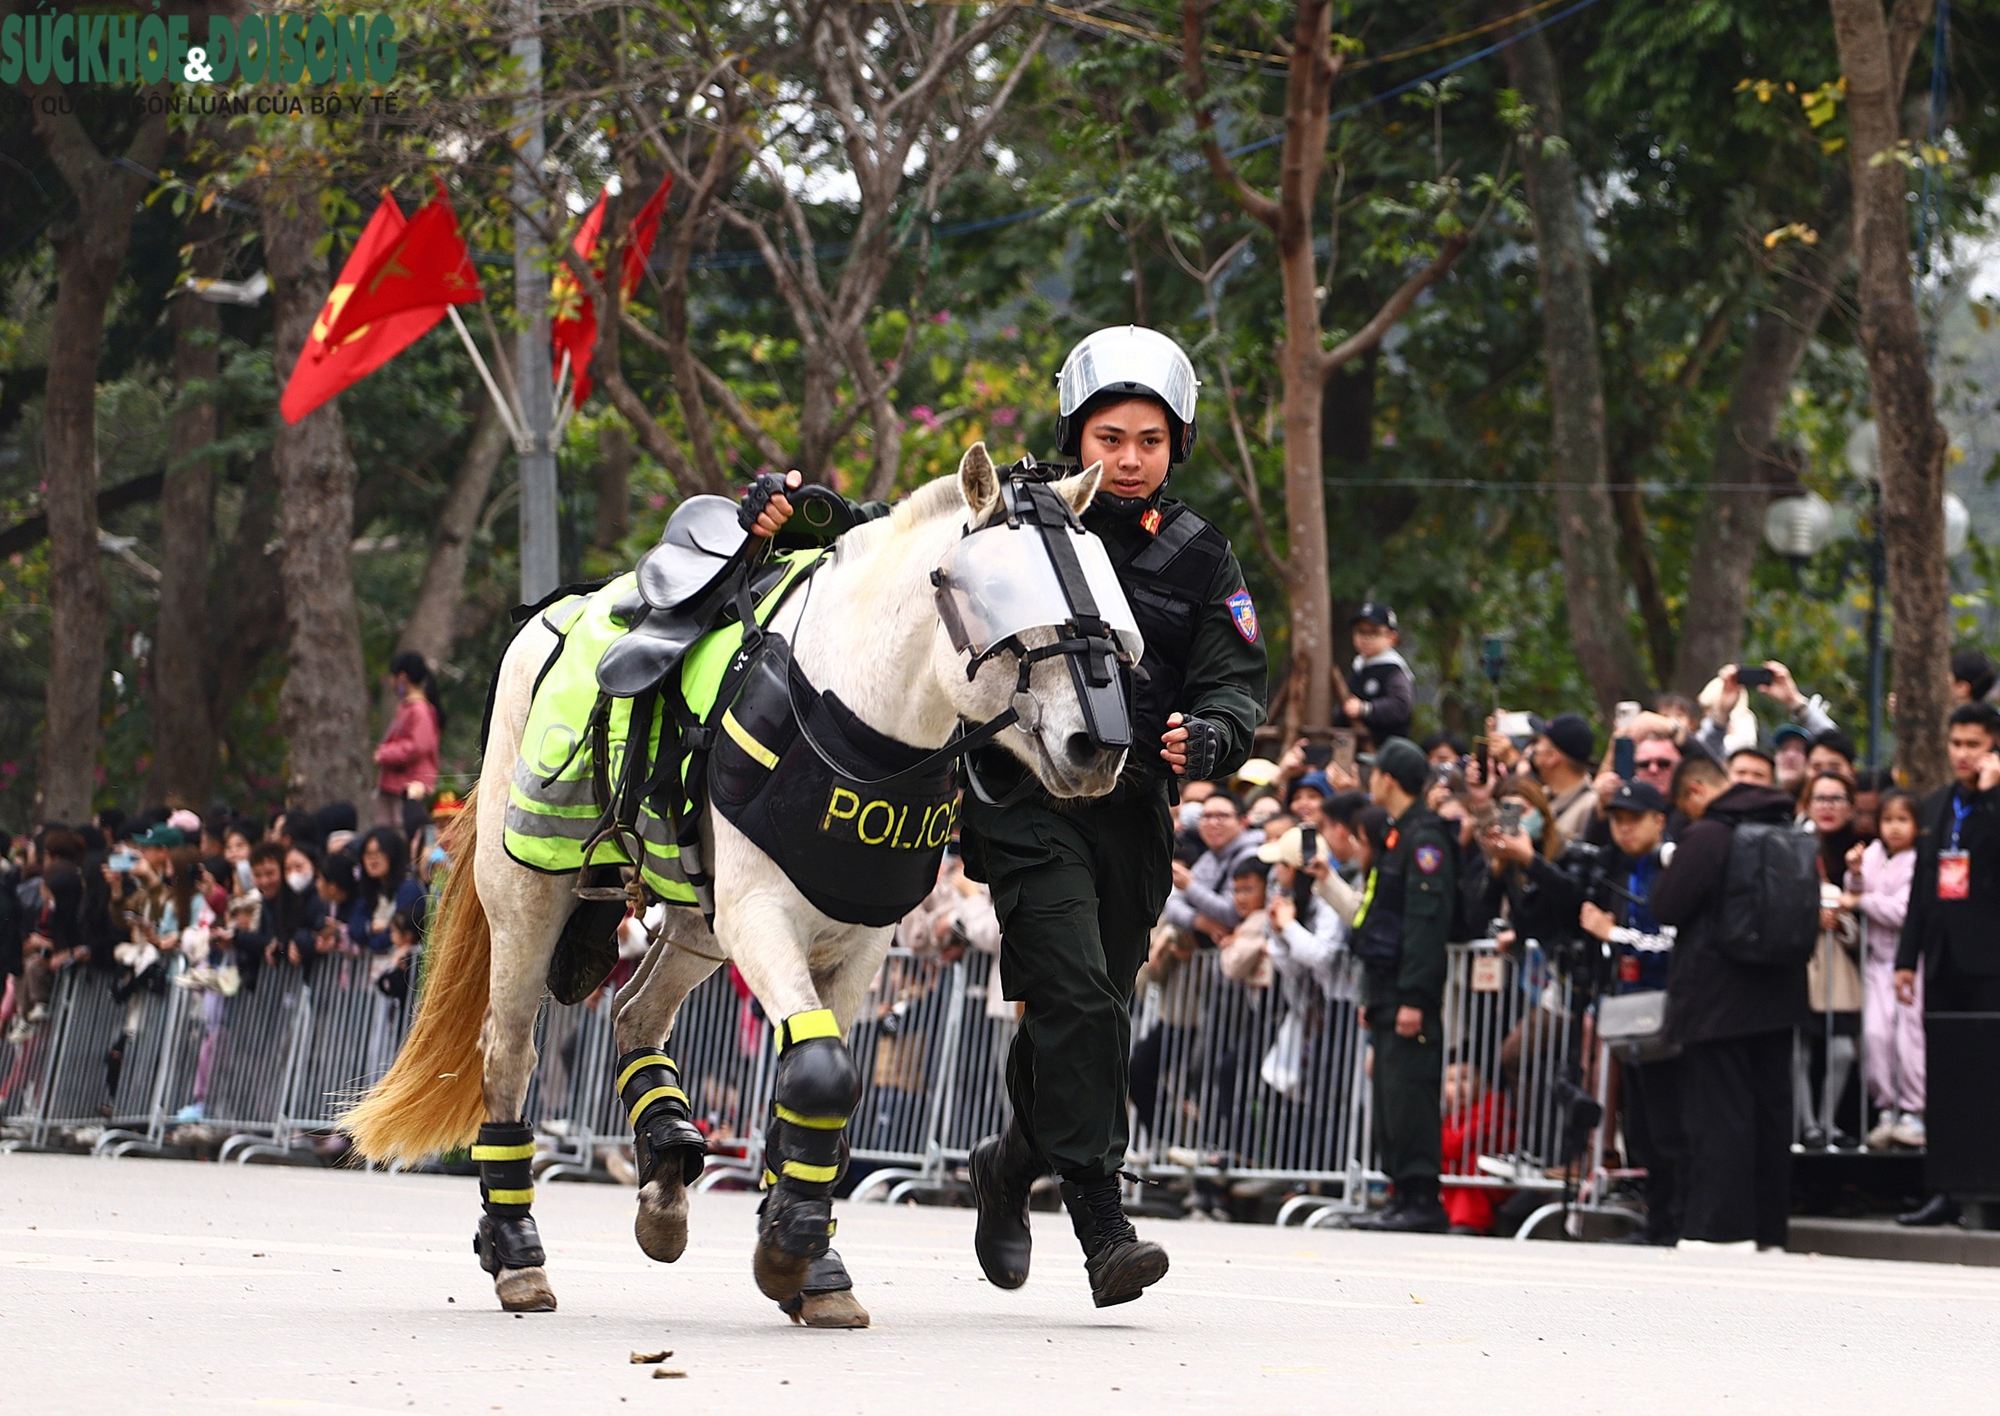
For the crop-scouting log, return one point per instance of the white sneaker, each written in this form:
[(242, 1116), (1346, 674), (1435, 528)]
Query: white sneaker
[(1883, 1135), (1909, 1131)]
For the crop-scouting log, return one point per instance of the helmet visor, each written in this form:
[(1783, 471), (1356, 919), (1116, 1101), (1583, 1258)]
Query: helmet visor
[(1128, 360), (1000, 581)]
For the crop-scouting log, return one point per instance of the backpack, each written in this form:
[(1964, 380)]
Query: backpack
[(1769, 914)]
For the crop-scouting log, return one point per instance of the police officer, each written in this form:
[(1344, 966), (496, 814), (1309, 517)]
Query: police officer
[(1078, 887), (1400, 935)]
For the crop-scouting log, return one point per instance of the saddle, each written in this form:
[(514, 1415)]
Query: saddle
[(688, 582)]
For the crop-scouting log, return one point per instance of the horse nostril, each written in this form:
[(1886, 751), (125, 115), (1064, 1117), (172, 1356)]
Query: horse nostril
[(1080, 748)]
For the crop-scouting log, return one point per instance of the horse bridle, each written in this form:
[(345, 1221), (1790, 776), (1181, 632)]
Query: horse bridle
[(1085, 639)]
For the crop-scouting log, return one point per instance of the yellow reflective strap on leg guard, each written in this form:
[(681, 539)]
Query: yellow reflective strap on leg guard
[(802, 1027), (811, 1123), (654, 1095), (651, 1059), (520, 1152), (511, 1197), (817, 1174)]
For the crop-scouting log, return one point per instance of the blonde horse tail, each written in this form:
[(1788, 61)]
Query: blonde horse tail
[(431, 1099)]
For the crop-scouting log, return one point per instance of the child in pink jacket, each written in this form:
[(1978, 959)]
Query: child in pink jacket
[(1878, 886)]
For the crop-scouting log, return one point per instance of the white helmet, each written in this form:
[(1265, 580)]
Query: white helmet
[(1126, 360)]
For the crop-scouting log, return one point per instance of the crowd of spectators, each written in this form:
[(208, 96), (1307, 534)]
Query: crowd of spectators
[(232, 898), (1620, 856), (212, 901), (1624, 845)]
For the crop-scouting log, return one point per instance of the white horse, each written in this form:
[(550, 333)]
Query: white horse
[(867, 631)]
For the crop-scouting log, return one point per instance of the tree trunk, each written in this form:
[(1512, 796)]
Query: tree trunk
[(614, 486), (1308, 92), (1899, 381), (248, 622), (1304, 366), (1585, 521), (1309, 595), (1731, 528), (429, 630), (323, 709), (90, 256), (183, 735)]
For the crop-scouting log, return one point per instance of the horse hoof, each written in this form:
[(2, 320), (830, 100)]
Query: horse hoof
[(525, 1291), (662, 1222), (829, 1310), (779, 1275)]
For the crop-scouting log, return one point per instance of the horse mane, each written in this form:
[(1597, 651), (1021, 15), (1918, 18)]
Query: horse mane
[(928, 503)]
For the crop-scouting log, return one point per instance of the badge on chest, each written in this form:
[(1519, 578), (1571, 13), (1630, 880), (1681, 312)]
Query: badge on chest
[(1954, 875)]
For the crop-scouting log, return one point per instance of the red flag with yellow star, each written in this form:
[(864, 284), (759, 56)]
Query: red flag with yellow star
[(572, 315), (324, 369), (426, 266)]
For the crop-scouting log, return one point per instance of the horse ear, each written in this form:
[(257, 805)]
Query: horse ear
[(977, 480), (1079, 490)]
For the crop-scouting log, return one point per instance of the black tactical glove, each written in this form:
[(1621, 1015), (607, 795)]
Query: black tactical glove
[(757, 496), (1204, 748)]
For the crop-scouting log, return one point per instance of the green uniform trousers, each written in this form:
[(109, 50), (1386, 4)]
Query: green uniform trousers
[(1409, 1072), (1077, 891)]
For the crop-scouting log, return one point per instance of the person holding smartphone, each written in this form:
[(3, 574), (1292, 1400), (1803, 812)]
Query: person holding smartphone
[(1721, 737)]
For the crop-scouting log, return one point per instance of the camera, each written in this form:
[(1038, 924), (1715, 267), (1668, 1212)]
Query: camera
[(1584, 958)]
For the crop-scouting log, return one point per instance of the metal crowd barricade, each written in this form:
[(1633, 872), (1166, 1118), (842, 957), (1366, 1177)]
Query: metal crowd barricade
[(1228, 1082), (1508, 1032), (972, 1090), (904, 1043), (102, 1055), (570, 1101), (22, 1074), (226, 1059), (346, 1032), (1253, 1083)]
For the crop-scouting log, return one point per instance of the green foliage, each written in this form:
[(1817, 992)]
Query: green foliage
[(1708, 135)]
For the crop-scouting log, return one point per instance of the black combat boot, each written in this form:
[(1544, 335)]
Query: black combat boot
[(1004, 1168), (1420, 1213), (1121, 1265)]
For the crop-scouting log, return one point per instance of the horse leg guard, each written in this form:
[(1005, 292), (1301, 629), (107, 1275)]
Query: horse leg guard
[(827, 1300), (508, 1245), (667, 1148), (814, 1094)]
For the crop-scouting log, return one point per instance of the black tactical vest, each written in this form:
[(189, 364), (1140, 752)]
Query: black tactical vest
[(1167, 582)]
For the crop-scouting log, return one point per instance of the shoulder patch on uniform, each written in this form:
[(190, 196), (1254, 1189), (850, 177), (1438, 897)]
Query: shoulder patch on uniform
[(1429, 858), (1245, 615)]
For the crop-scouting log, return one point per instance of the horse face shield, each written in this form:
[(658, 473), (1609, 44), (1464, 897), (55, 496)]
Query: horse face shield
[(1040, 570)]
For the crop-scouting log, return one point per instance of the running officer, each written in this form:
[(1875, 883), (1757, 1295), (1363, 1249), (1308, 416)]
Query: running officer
[(1078, 886)]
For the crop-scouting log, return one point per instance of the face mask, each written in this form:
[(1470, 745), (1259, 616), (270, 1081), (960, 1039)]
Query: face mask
[(1190, 815), (1531, 822), (300, 880)]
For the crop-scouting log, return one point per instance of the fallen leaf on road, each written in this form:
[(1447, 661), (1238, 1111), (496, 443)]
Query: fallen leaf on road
[(638, 1357), (661, 1373), (1415, 1299)]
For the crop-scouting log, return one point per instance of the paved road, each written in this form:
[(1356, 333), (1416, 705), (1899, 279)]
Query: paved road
[(161, 1285)]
